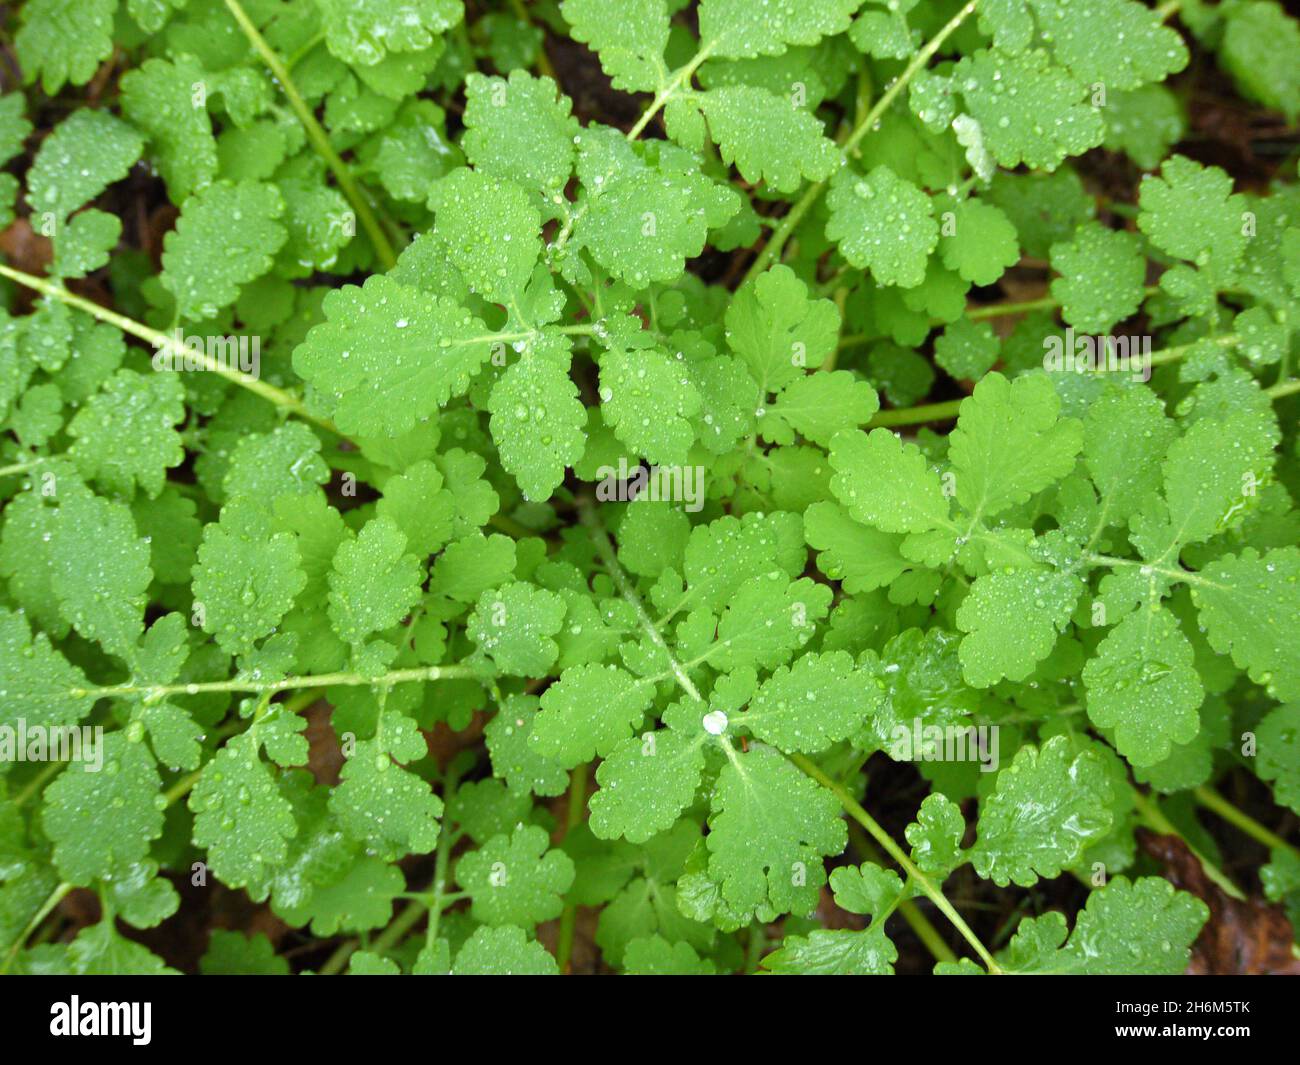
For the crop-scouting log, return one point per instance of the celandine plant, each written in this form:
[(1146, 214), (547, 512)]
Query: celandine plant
[(392, 650)]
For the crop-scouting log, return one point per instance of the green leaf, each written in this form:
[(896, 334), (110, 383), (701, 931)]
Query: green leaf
[(839, 952), (648, 400), (1139, 928), (1102, 274), (513, 758), (777, 331), (1027, 109), (240, 815), (38, 680), (158, 97), (364, 33), (865, 889), (882, 223), (491, 232), (806, 707), (1278, 751), (227, 235), (768, 137), (516, 879), (86, 152), (655, 956), (514, 624), (388, 355), (819, 405), (1122, 428), (1246, 602), (645, 783), (630, 39), (644, 217), (1261, 50), (537, 423), (1010, 442), (1049, 804), (982, 243), (246, 577), (1013, 620), (936, 835), (1143, 684), (101, 819), (374, 582), (771, 826), (519, 130), (587, 712), (64, 41), (100, 950), (1191, 212), (125, 434), (105, 599), (389, 809), (503, 951), (886, 483), (737, 29)]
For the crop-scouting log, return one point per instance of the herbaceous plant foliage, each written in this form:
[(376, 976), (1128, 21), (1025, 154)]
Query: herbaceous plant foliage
[(634, 486)]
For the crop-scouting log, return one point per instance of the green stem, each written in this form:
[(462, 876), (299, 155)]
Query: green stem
[(573, 816), (34, 785), (1001, 310), (21, 467), (47, 907), (907, 909), (318, 137), (666, 93), (1213, 801), (1288, 389), (772, 250), (860, 815), (162, 341), (929, 412), (754, 947), (604, 548), (1153, 817), (320, 680)]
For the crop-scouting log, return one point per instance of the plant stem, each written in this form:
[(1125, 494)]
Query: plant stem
[(929, 412), (34, 785), (21, 467), (318, 137), (569, 917), (860, 815), (1213, 801), (320, 680), (667, 92), (1290, 388), (1153, 817), (162, 341), (772, 250), (47, 907), (907, 909), (587, 514)]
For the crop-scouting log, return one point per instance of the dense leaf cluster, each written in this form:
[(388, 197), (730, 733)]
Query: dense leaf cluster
[(478, 304)]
